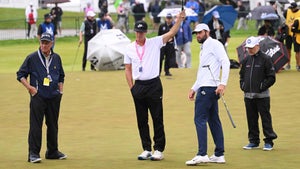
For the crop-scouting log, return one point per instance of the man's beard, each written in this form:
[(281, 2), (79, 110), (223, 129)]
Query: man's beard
[(202, 39)]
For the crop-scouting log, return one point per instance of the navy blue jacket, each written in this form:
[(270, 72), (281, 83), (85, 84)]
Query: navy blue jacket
[(184, 34), (33, 67)]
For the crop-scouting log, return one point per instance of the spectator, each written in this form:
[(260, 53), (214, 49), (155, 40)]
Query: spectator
[(216, 27), (31, 11), (31, 20), (201, 10), (296, 31), (104, 23), (103, 6), (155, 10), (194, 5), (87, 9), (127, 10), (56, 13), (121, 23), (241, 16), (138, 11), (183, 43), (290, 14), (167, 52), (47, 27), (266, 29), (88, 29), (258, 23)]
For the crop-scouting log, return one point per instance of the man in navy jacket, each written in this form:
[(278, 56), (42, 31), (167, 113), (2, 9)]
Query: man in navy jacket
[(44, 67)]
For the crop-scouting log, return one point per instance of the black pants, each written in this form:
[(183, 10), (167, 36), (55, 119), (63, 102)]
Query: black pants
[(40, 107), (148, 95), (86, 40), (168, 53), (28, 29), (254, 108)]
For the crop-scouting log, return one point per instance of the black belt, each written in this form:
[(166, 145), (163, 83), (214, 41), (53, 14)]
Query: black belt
[(146, 81)]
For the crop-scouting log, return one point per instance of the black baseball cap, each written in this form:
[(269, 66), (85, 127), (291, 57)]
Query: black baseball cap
[(294, 5), (47, 15), (169, 16), (46, 37), (140, 26)]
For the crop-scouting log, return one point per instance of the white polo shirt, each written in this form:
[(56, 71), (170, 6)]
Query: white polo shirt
[(145, 59), (213, 54)]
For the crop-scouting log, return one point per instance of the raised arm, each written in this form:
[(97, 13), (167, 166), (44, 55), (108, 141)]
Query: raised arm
[(175, 27)]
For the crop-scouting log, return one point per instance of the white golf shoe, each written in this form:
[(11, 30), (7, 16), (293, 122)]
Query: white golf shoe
[(215, 159), (197, 160), (145, 155), (157, 156)]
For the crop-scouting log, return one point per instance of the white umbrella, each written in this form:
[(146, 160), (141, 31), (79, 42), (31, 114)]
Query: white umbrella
[(175, 11), (106, 49)]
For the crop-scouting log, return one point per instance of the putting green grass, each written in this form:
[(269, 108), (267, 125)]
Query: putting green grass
[(97, 125)]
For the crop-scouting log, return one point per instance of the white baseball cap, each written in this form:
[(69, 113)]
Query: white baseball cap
[(91, 13), (200, 27), (251, 42), (216, 14)]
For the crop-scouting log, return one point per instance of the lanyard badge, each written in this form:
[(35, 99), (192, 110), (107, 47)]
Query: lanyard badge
[(140, 55)]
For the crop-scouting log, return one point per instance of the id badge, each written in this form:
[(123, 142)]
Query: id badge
[(46, 81), (140, 69), (49, 77)]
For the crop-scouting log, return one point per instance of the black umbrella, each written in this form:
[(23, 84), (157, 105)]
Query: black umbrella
[(231, 2), (275, 49), (55, 1), (259, 12), (280, 1)]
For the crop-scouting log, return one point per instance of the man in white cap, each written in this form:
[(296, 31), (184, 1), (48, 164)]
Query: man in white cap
[(209, 86), (257, 74), (89, 30)]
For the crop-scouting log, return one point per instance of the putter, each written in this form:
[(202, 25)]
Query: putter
[(223, 100)]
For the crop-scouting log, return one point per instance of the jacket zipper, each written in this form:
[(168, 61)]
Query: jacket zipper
[(251, 73)]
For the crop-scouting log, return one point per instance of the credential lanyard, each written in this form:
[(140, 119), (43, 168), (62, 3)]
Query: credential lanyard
[(140, 55), (46, 64)]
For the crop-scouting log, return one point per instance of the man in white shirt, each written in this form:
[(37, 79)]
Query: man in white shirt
[(209, 87), (142, 66)]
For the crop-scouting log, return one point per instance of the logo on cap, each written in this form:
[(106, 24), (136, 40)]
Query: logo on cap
[(46, 37), (140, 26)]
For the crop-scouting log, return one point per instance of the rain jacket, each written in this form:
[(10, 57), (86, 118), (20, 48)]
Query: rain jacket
[(33, 67), (257, 74)]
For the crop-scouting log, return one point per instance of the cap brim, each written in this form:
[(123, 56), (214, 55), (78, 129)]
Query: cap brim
[(249, 46), (49, 40), (137, 30), (196, 31)]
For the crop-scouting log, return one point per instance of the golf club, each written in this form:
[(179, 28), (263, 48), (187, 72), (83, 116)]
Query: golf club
[(228, 113), (75, 57)]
